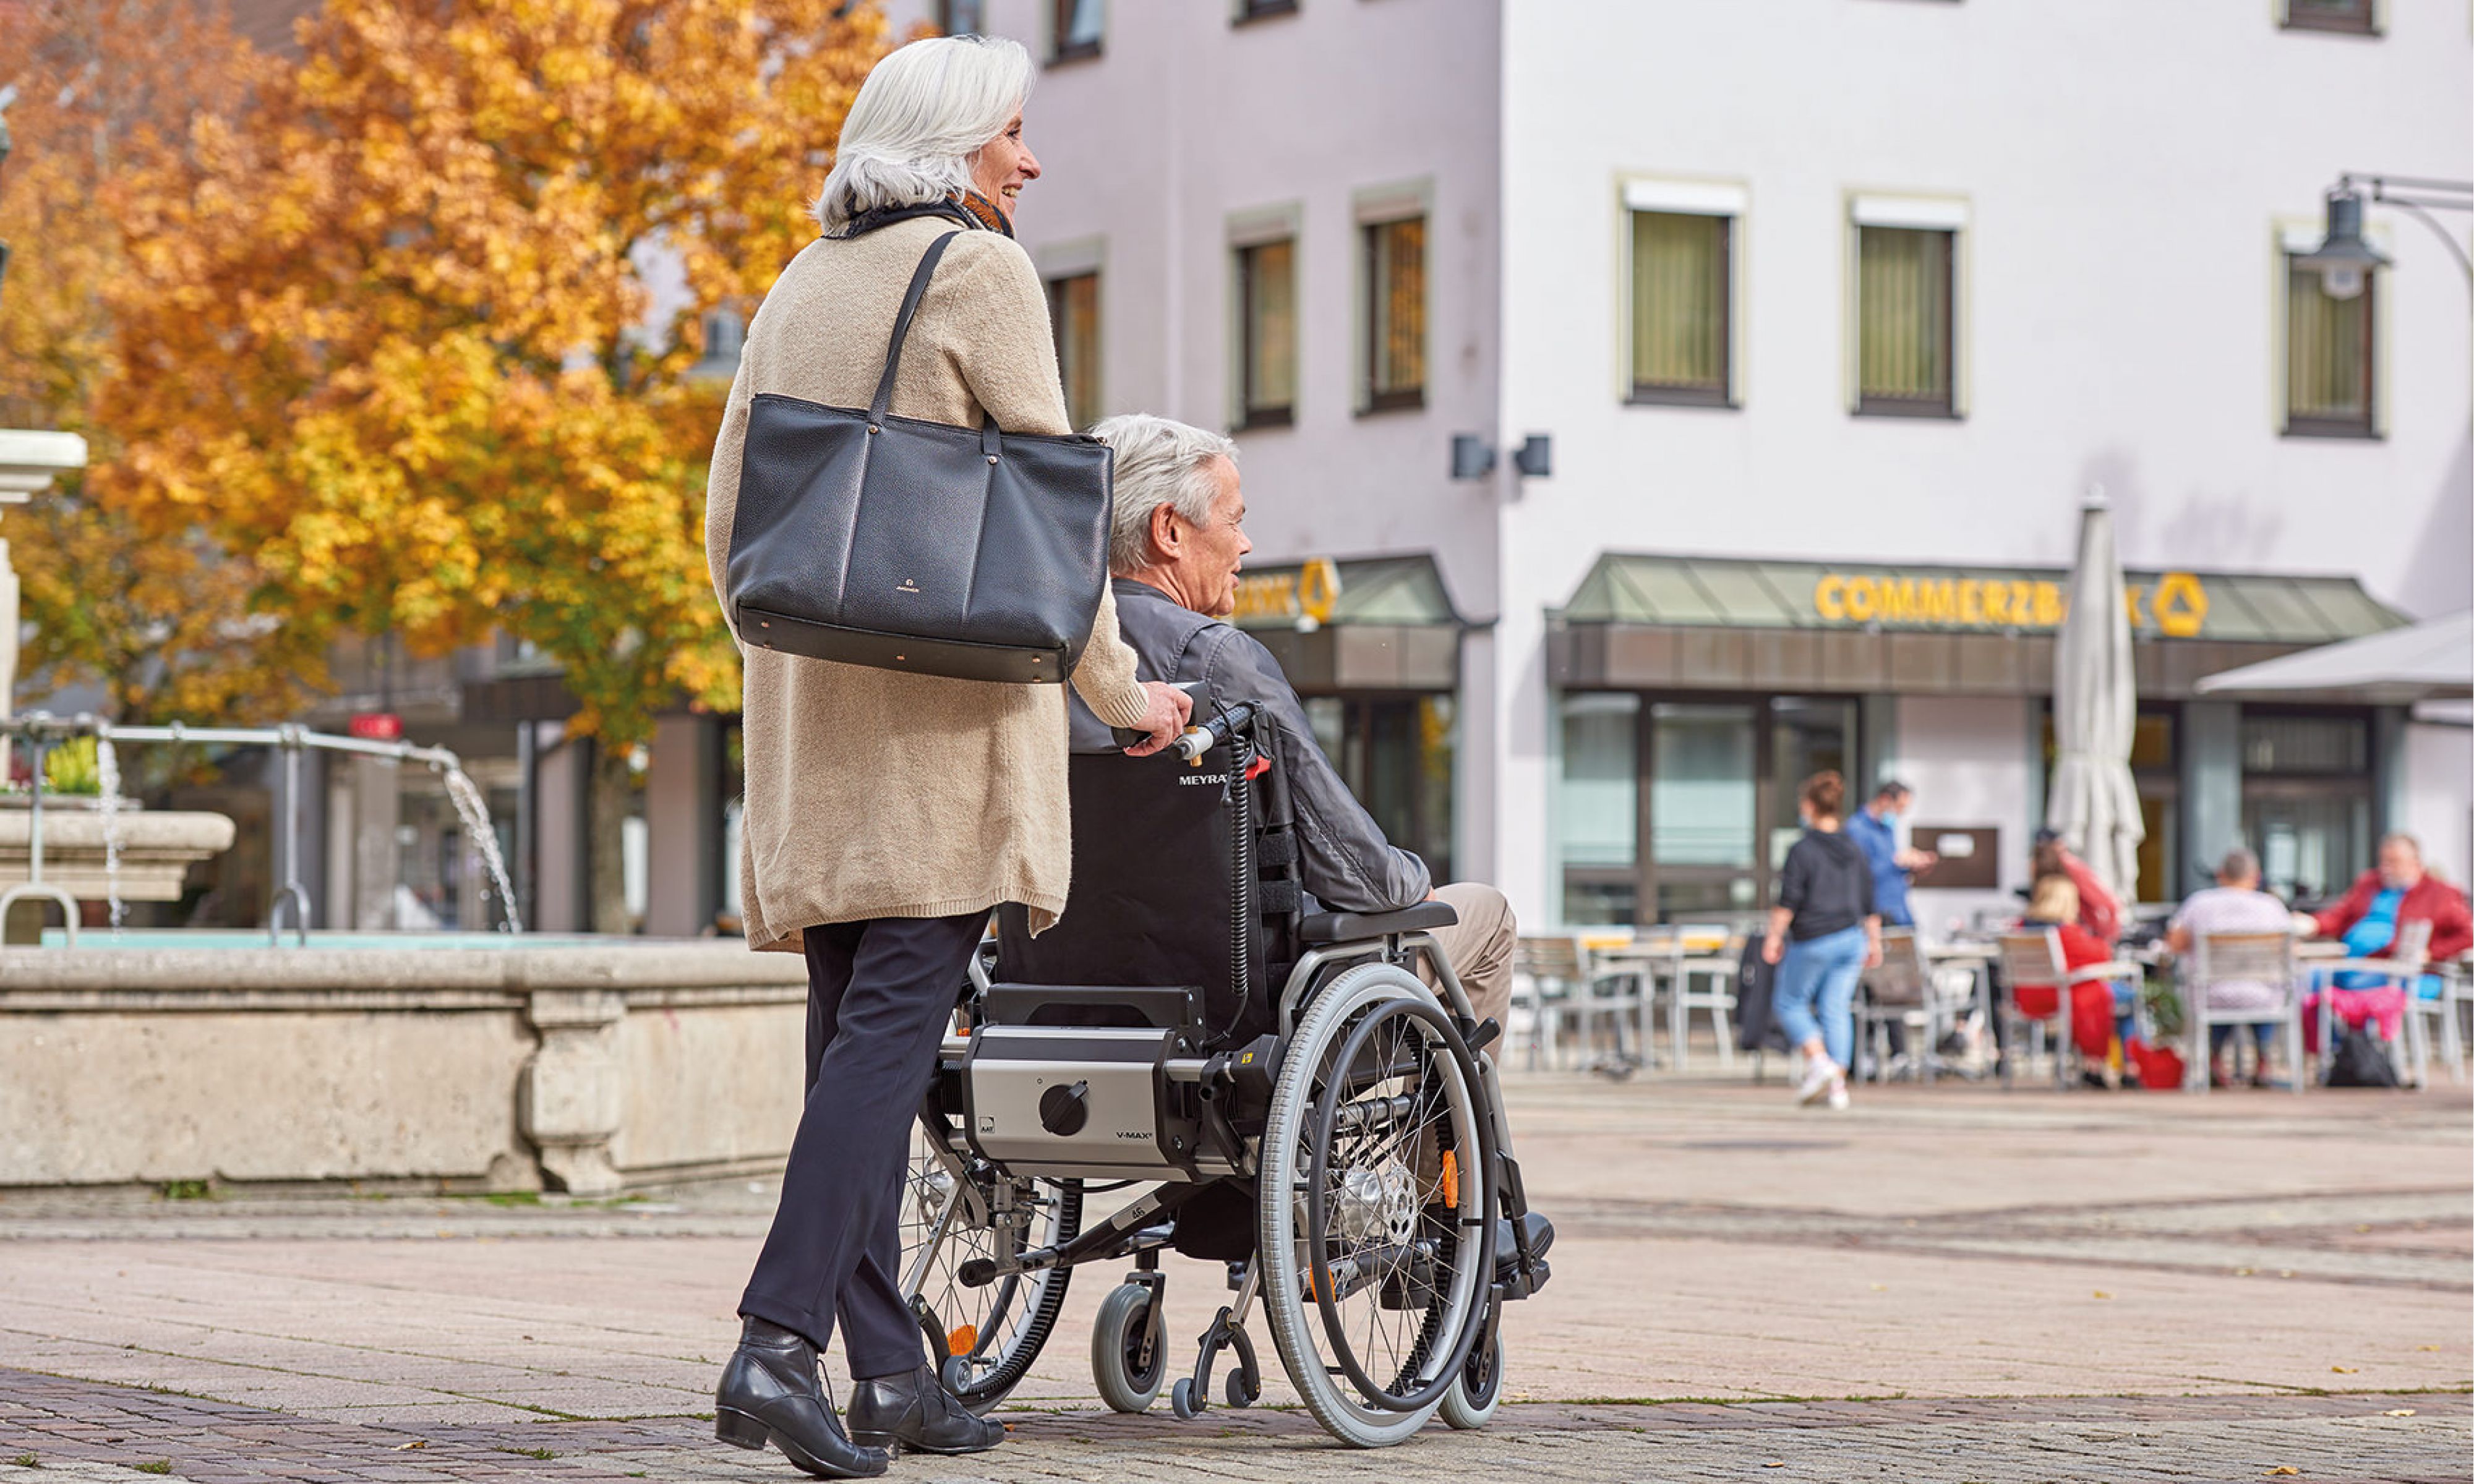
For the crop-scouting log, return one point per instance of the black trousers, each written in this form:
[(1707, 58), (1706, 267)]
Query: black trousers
[(879, 996)]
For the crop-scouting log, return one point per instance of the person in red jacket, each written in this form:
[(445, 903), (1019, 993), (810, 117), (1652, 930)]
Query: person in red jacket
[(2422, 897), (2370, 918), (2055, 902)]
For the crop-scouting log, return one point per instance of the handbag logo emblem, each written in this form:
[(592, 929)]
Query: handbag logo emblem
[(907, 584)]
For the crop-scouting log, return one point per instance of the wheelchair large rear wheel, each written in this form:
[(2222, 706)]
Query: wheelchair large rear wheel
[(986, 1337), (1375, 1215)]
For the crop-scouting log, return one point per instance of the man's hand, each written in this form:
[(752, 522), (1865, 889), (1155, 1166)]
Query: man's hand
[(1913, 860), (1164, 718)]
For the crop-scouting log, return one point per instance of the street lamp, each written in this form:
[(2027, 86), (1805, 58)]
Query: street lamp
[(2344, 260)]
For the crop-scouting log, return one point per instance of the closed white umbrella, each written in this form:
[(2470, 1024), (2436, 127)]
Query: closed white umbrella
[(2095, 802)]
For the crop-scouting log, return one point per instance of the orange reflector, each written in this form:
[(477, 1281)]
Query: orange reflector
[(1451, 1177), (961, 1339)]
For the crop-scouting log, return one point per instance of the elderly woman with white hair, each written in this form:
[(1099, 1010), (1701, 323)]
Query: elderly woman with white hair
[(887, 812)]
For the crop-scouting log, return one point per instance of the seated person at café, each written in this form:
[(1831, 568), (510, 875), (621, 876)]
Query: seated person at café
[(2235, 904), (1175, 546), (2383, 901), (2053, 901), (2098, 912)]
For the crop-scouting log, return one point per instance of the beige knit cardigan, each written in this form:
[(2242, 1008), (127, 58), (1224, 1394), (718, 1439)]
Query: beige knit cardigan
[(872, 793)]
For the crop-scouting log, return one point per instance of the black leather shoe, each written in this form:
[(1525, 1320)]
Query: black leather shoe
[(913, 1413), (1507, 1256), (769, 1394)]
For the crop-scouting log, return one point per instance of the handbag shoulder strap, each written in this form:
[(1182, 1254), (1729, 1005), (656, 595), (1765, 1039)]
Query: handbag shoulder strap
[(883, 402)]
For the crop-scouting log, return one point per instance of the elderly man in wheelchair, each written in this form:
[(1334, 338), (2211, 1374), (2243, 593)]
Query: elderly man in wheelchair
[(1302, 1094)]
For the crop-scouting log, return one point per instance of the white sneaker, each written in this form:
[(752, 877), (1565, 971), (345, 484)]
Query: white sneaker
[(1838, 1092), (1818, 1074)]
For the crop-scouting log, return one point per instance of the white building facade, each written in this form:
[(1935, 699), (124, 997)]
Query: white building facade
[(1825, 315)]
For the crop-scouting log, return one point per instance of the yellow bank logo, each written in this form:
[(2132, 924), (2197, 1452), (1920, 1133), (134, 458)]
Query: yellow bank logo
[(1310, 592), (2175, 606)]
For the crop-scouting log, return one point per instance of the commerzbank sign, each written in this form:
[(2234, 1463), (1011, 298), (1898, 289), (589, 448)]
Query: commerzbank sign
[(2171, 604)]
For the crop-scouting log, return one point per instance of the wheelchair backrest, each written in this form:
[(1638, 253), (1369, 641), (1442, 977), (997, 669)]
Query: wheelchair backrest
[(1156, 893)]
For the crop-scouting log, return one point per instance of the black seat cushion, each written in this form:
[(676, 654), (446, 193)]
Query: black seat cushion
[(1349, 926)]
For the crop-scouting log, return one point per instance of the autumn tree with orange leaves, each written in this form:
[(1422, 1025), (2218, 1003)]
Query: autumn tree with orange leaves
[(163, 615), (388, 333)]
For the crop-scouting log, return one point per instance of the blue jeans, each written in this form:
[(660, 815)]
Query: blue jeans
[(1815, 991)]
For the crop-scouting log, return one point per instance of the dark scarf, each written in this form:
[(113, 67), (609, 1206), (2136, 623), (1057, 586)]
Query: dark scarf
[(972, 211)]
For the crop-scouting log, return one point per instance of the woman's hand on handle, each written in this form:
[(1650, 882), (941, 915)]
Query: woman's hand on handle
[(1774, 942), (1163, 719)]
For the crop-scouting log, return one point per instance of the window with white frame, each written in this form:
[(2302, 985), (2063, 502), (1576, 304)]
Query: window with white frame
[(2331, 347), (1266, 333), (2360, 17), (1074, 315), (1907, 332), (1681, 285), (1396, 314), (1077, 28)]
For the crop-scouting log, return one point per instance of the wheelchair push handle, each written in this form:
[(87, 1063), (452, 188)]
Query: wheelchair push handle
[(1202, 736)]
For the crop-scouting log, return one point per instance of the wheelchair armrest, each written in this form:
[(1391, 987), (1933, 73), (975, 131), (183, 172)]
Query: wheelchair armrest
[(1350, 927)]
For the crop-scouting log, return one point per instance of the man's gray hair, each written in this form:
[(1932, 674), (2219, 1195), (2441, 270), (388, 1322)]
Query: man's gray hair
[(924, 111), (1158, 463), (2239, 864)]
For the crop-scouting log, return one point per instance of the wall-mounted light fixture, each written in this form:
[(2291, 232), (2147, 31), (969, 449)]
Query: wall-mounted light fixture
[(1473, 456), (1535, 457)]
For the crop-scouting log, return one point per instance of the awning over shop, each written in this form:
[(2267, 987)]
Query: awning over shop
[(2429, 661), (1640, 621), (1379, 623)]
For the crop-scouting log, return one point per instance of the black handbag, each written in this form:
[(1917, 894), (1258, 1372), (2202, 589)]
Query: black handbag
[(904, 544)]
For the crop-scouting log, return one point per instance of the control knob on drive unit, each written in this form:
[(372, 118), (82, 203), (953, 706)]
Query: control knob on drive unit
[(1064, 1110)]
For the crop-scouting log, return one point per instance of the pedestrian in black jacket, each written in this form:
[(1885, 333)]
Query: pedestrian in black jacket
[(1826, 906)]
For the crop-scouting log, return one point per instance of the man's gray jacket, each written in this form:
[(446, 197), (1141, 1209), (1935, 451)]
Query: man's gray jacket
[(1346, 862)]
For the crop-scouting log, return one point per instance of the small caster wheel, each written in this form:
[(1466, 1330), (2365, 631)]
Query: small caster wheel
[(1182, 1400), (1241, 1394), (1478, 1390), (955, 1373), (1127, 1327)]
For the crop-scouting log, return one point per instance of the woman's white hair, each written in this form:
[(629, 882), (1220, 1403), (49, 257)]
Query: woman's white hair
[(1158, 463), (924, 111)]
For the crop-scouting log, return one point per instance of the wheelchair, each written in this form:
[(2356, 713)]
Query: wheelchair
[(1280, 1087)]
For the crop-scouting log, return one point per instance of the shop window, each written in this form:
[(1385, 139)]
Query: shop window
[(2358, 17), (1396, 314), (1074, 315), (1807, 735), (1395, 753), (1267, 293), (961, 18), (1702, 787), (1905, 315), (1597, 807), (1080, 26), (2329, 356), (1682, 284)]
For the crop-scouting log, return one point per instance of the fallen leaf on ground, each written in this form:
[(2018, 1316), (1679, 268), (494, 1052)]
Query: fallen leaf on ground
[(415, 1443), (1881, 1288), (1776, 1463), (2398, 1411), (2344, 1369), (2101, 1294), (2426, 1347), (2245, 1272), (2284, 1469)]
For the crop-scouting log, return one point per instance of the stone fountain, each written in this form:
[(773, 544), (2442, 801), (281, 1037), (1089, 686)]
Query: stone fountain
[(360, 1062)]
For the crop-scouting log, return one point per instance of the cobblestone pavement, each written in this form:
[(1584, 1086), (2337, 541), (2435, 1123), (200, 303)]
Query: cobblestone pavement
[(81, 1429), (1948, 1282)]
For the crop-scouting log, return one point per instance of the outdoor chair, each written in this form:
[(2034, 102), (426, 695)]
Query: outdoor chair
[(1704, 982), (1900, 991), (2403, 967), (2240, 958), (1554, 978), (2031, 958)]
